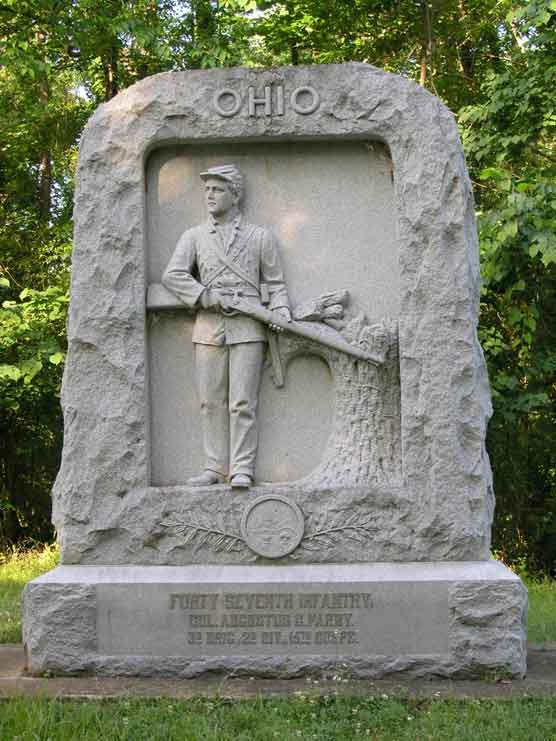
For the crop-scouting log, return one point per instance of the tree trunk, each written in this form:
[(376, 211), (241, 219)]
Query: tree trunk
[(45, 182), (427, 47), (111, 74), (45, 163), (204, 20), (423, 74), (466, 55)]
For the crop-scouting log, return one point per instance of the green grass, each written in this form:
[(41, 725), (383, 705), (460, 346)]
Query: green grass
[(323, 718), (541, 620), (16, 569)]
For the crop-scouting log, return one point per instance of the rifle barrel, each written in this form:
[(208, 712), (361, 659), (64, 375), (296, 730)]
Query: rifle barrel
[(318, 332)]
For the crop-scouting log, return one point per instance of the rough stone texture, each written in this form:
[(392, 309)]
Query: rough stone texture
[(59, 625), (15, 681), (484, 635), (444, 390), (203, 525), (484, 622)]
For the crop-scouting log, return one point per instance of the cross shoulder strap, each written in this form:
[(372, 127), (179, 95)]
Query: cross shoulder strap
[(227, 261)]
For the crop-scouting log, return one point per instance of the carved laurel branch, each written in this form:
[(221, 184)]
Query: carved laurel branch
[(199, 535), (221, 541), (329, 534)]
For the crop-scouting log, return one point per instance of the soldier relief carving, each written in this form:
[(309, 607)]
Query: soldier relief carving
[(238, 266), (229, 273)]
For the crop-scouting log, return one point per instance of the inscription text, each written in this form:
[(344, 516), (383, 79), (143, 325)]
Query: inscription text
[(272, 100), (271, 619)]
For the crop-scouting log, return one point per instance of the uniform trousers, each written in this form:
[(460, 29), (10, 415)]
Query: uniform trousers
[(229, 377)]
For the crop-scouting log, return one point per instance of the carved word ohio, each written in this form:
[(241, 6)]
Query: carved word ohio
[(271, 101)]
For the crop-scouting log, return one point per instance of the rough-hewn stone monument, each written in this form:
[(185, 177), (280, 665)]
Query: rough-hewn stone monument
[(274, 457)]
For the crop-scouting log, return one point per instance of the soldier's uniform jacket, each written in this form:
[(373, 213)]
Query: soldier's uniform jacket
[(208, 256)]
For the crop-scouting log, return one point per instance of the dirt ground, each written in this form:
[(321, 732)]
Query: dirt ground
[(540, 680)]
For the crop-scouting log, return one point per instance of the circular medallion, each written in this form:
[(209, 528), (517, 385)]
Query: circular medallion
[(272, 526)]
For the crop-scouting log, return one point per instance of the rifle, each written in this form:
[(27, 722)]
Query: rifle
[(159, 297), (316, 331)]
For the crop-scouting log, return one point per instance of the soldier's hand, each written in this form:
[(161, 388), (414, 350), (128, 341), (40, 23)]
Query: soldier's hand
[(213, 300), (209, 300), (282, 313)]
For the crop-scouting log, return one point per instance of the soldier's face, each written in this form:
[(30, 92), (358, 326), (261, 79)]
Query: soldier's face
[(219, 197)]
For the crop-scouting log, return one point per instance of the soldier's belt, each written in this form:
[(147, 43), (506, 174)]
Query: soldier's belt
[(237, 293)]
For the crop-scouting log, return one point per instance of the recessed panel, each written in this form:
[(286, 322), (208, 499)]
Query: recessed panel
[(331, 206), (256, 620)]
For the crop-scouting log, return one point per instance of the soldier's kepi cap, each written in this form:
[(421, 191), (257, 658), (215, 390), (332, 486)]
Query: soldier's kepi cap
[(229, 173)]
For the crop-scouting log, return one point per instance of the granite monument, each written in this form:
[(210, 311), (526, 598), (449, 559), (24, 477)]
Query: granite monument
[(274, 457)]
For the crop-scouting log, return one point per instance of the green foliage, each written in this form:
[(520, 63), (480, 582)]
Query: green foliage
[(510, 141), (32, 351), (32, 340), (39, 126), (449, 46)]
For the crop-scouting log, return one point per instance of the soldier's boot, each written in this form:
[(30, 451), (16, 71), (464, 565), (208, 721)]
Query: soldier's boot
[(206, 478), (241, 481)]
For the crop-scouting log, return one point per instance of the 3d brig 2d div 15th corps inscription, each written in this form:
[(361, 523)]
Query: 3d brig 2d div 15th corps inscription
[(275, 401)]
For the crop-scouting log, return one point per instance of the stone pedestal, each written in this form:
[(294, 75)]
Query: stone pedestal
[(363, 620)]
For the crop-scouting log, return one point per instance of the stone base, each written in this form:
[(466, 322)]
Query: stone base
[(360, 620)]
